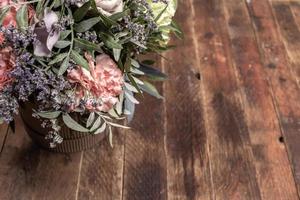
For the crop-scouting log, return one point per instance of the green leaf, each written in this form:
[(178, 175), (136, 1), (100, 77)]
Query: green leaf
[(49, 115), (1, 121), (148, 62), (135, 63), (117, 53), (72, 124), (58, 58), (138, 44), (107, 21), (161, 13), (150, 89), (81, 12), (131, 98), (129, 108), (119, 105), (96, 124), (110, 42), (118, 125), (62, 44), (22, 18), (64, 66), (86, 24), (110, 137), (134, 83), (117, 16), (90, 120), (130, 87), (3, 13), (84, 44), (153, 73), (101, 129), (64, 34), (77, 58)]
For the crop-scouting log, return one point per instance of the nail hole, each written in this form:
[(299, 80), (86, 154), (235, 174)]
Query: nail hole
[(198, 76), (281, 79), (272, 65), (281, 139)]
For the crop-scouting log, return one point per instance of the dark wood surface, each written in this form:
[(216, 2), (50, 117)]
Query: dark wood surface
[(228, 129)]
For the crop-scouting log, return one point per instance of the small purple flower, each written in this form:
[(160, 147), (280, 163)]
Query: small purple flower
[(46, 34)]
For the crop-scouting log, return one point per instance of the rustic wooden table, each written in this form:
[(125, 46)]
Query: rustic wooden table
[(228, 129)]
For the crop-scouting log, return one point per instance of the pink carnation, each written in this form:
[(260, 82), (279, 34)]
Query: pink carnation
[(7, 61), (103, 82), (10, 16)]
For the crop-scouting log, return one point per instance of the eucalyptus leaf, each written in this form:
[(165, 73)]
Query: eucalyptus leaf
[(87, 45), (64, 34), (119, 105), (135, 63), (131, 98), (58, 58), (81, 12), (118, 125), (110, 137), (96, 124), (64, 66), (132, 81), (86, 24), (49, 115), (117, 53), (77, 58), (90, 120), (113, 113), (101, 129), (130, 87), (72, 124), (62, 44), (153, 73), (110, 42), (129, 109), (150, 89)]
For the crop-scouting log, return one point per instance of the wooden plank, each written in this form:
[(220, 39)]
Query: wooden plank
[(145, 173), (287, 90), (186, 137), (101, 170), (272, 166), (232, 162), (28, 172), (290, 34)]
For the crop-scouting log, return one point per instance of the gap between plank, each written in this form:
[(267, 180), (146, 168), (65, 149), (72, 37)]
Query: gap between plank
[(79, 176), (262, 57), (202, 92)]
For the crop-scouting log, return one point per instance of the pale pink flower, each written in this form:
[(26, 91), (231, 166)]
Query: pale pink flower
[(102, 82), (10, 16), (7, 62)]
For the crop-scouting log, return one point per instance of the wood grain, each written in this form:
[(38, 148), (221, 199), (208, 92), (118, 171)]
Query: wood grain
[(228, 128), (280, 76), (145, 174), (28, 172), (228, 131), (101, 170), (258, 104), (186, 136)]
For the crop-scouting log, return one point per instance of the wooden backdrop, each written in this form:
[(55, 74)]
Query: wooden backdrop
[(228, 129)]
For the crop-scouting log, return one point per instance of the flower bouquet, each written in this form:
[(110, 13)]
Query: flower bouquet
[(71, 68)]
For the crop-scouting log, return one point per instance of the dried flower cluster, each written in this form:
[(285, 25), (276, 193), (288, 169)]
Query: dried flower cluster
[(80, 56)]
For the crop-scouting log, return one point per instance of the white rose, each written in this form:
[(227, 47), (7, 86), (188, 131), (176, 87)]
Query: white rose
[(109, 7), (166, 18)]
